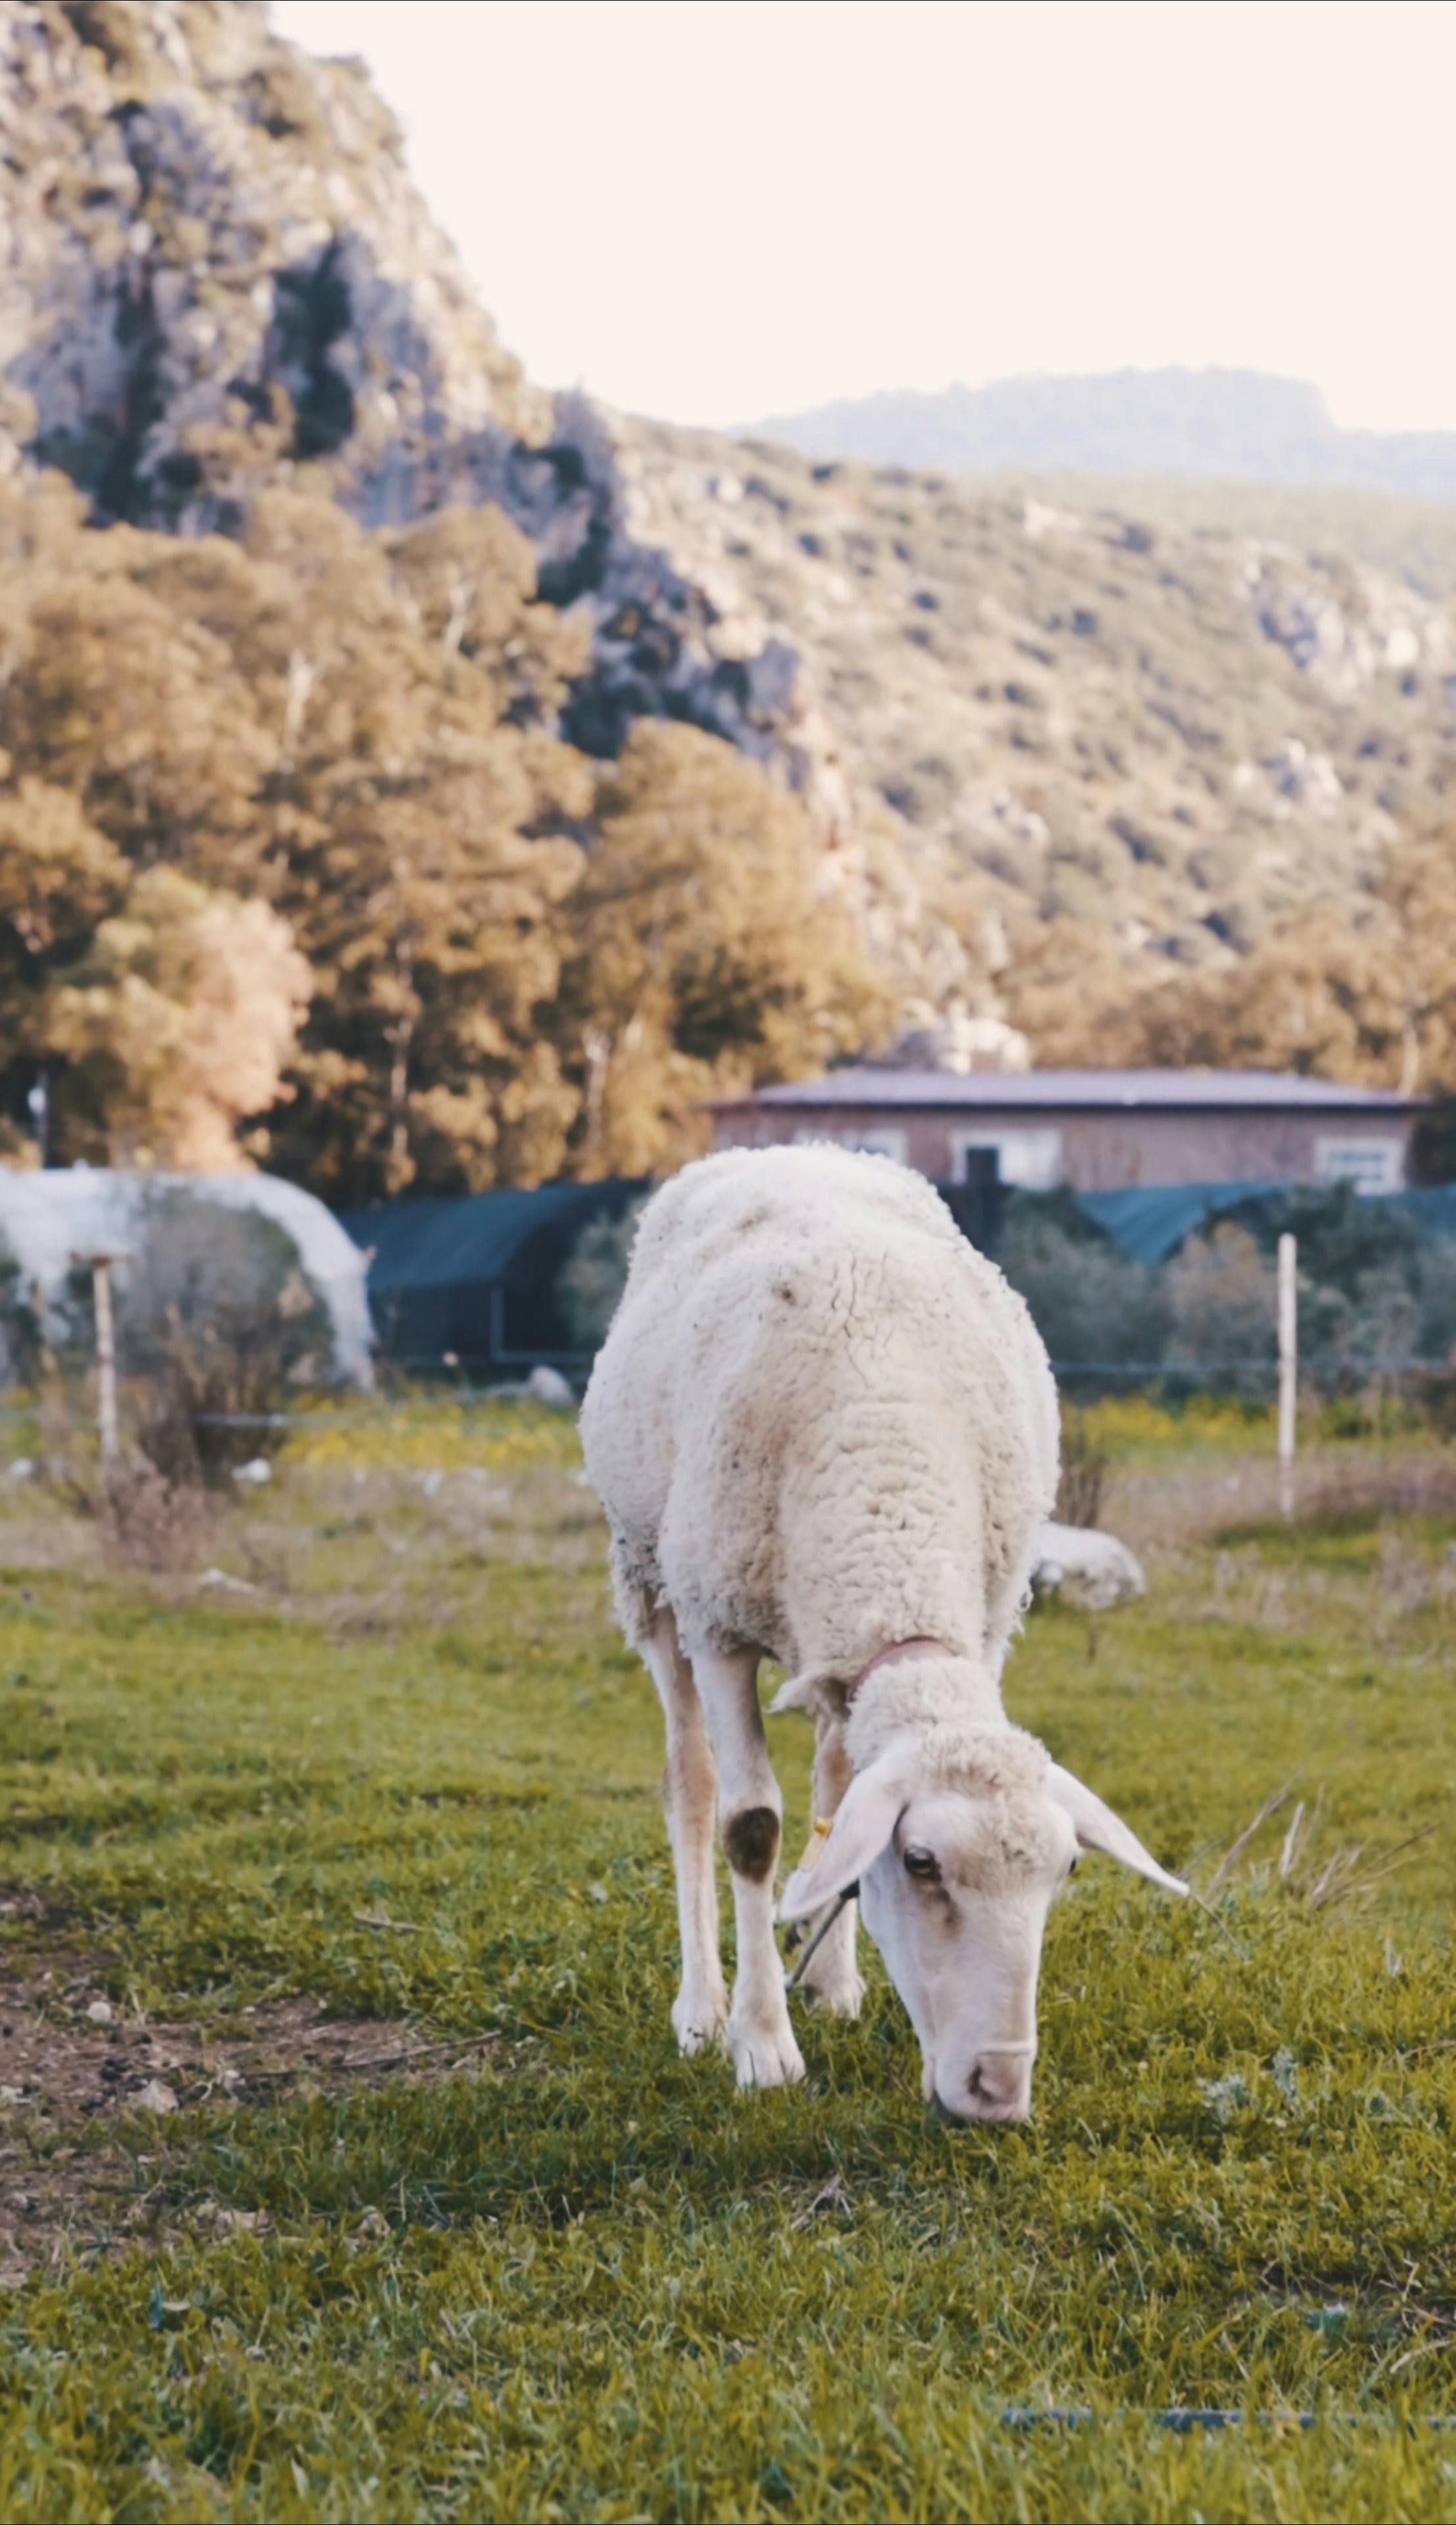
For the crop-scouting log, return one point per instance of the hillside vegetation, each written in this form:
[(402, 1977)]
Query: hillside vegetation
[(1410, 540), (1099, 744)]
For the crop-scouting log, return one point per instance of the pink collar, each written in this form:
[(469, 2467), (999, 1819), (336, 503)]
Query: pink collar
[(899, 1649)]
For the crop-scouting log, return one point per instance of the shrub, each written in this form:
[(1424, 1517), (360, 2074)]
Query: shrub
[(1436, 1337), (1377, 1306), (595, 1274), (1341, 1236), (216, 1316), (1221, 1302), (1091, 1306), (145, 1520), (22, 1339)]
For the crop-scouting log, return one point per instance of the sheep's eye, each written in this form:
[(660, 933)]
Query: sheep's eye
[(921, 1862)]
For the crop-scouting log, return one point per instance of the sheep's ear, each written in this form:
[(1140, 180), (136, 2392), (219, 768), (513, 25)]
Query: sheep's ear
[(1098, 1828), (868, 1814)]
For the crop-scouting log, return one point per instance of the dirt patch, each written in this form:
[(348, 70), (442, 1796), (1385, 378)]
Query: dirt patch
[(67, 2051), (73, 2061)]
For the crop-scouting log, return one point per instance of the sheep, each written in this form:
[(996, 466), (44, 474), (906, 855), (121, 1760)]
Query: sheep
[(824, 1429)]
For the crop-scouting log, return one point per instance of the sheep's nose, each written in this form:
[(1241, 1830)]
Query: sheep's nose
[(1000, 2087)]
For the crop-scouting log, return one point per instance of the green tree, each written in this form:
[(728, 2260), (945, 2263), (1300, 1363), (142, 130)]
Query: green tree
[(58, 876), (425, 828), (1371, 998), (178, 1021), (314, 768), (709, 953)]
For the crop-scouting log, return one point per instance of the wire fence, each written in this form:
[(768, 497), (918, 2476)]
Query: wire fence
[(1252, 1379), (1321, 1371)]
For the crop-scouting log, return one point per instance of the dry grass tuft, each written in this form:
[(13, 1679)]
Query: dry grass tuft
[(1085, 1479)]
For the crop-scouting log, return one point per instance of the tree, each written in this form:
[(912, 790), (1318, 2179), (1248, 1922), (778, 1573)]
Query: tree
[(136, 702), (178, 1021), (1371, 999), (313, 768), (349, 732), (472, 576), (1067, 987), (709, 953), (58, 876), (426, 841)]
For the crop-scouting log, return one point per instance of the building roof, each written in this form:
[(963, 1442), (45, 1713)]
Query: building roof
[(1024, 1091), (1149, 1222), (446, 1240)]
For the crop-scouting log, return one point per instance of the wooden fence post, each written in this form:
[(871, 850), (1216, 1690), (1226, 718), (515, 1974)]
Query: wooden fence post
[(1288, 1371), (106, 1359)]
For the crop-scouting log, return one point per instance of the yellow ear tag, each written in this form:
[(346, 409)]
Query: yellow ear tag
[(815, 1842)]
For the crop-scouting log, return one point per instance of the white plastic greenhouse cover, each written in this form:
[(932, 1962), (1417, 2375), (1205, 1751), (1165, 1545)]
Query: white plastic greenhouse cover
[(52, 1216)]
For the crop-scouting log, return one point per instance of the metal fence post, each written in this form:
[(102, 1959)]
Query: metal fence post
[(1288, 1371)]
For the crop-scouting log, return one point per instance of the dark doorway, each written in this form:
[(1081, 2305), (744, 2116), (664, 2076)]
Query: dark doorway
[(980, 1167), (975, 1202)]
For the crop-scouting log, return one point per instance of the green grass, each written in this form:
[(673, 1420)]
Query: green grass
[(587, 2280)]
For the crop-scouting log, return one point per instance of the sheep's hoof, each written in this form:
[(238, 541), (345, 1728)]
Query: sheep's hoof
[(698, 2022), (839, 1993), (765, 2056)]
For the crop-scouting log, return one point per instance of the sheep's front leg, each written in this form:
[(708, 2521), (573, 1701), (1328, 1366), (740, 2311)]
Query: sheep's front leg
[(689, 1782), (761, 2037), (832, 1976)]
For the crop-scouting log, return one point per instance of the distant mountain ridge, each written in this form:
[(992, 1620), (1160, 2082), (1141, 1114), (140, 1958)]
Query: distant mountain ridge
[(1229, 424)]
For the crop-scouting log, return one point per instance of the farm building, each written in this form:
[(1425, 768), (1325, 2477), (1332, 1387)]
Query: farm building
[(472, 1278), (1095, 1130)]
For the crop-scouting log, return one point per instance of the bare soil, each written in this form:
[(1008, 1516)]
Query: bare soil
[(77, 2069)]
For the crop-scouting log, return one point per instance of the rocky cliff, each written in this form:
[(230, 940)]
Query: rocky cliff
[(215, 269)]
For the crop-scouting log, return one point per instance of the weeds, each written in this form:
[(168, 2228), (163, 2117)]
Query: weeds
[(1086, 1474), (143, 1519)]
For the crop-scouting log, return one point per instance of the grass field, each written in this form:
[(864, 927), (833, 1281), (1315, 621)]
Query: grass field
[(346, 2165)]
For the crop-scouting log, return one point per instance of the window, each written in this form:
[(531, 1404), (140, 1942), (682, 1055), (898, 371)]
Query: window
[(1371, 1166), (1031, 1158)]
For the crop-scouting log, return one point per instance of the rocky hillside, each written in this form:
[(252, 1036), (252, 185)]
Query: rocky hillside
[(1004, 708), (1071, 712)]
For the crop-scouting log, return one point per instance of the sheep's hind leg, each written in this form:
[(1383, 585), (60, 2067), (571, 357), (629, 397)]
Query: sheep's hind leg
[(689, 1783), (761, 2037), (832, 1975)]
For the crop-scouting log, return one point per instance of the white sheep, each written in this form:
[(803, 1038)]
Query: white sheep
[(824, 1430)]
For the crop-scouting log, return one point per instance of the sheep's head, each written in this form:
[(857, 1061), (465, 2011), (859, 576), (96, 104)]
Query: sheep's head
[(958, 1839)]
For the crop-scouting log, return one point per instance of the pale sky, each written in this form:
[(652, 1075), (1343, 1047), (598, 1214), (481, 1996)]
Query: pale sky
[(710, 210)]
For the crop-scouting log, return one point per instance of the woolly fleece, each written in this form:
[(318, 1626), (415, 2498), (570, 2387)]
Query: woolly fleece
[(822, 1423)]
